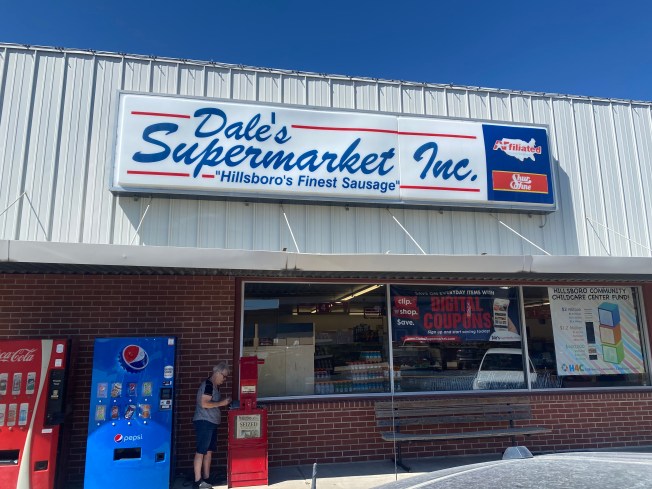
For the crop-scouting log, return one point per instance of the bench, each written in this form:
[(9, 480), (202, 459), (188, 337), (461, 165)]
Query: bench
[(449, 419)]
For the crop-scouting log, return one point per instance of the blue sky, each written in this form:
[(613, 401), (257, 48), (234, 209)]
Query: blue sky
[(595, 48)]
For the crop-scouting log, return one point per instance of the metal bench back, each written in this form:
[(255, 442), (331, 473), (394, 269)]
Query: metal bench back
[(451, 411)]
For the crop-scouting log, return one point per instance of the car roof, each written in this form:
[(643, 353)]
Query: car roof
[(509, 351)]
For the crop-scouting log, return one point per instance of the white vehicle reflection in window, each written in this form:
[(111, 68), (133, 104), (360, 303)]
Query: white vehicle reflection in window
[(502, 368)]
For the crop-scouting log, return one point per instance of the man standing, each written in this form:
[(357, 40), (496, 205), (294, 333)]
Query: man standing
[(206, 421)]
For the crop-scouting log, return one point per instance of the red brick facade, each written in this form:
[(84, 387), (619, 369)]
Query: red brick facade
[(345, 431), (201, 312)]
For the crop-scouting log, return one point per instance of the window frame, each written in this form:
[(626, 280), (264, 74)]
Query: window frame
[(643, 330)]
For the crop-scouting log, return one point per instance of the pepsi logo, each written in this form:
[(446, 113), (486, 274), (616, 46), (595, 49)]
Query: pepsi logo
[(134, 358), (117, 438)]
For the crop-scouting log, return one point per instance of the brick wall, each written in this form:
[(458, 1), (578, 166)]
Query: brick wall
[(346, 432), (200, 311)]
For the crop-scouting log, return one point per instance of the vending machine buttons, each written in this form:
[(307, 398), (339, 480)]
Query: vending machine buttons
[(22, 414), (4, 379), (17, 383), (31, 383)]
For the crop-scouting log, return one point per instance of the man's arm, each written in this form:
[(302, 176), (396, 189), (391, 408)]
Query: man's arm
[(208, 403)]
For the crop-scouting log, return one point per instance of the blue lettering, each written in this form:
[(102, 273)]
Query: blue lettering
[(209, 157), (281, 137), (206, 149), (209, 111), (440, 168), (234, 131), (276, 160), (234, 151), (180, 155), (310, 157), (167, 128)]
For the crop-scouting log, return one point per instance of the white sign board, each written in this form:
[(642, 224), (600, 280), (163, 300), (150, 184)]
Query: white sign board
[(229, 149)]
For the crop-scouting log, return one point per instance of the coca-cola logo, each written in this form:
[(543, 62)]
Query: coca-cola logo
[(20, 355)]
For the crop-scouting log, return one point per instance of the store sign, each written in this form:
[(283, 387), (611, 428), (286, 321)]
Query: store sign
[(595, 331), (227, 149), (455, 314)]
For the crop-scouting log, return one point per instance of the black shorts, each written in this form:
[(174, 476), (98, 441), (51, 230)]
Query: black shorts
[(206, 434)]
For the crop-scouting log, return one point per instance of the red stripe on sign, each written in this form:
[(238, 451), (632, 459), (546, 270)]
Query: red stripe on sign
[(428, 134), (160, 114), (454, 189), (208, 176), (157, 173), (511, 181), (353, 129), (386, 131)]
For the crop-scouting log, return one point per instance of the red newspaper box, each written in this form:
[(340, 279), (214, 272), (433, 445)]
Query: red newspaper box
[(247, 450)]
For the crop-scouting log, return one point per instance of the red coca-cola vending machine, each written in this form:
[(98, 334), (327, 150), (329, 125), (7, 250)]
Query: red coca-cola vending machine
[(33, 382)]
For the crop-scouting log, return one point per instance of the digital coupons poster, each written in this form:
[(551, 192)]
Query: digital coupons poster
[(455, 314), (595, 331)]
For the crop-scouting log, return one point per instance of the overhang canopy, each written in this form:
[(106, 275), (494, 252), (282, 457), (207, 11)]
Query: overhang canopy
[(48, 257)]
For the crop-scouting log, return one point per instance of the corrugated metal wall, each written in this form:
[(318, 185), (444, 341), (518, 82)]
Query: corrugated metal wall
[(56, 134)]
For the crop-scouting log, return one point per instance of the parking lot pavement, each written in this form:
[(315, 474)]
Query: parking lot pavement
[(575, 470), (622, 469), (356, 475)]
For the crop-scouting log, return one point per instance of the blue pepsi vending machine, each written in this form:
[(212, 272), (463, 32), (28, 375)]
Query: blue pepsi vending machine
[(131, 413)]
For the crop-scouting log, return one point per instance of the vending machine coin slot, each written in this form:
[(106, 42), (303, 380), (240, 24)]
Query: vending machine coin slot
[(126, 453), (159, 457), (54, 410), (165, 397), (9, 457), (40, 465)]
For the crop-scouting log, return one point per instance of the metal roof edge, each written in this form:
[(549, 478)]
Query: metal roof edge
[(141, 256), (107, 255), (4, 250), (449, 86), (609, 265), (414, 263)]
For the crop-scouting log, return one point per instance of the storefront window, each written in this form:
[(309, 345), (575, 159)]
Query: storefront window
[(449, 338), (317, 338), (336, 339), (584, 336)]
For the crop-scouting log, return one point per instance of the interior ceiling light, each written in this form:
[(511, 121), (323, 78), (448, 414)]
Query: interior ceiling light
[(359, 293)]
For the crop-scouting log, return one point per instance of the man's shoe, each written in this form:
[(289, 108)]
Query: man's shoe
[(202, 484)]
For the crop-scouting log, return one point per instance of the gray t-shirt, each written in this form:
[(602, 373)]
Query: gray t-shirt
[(212, 415)]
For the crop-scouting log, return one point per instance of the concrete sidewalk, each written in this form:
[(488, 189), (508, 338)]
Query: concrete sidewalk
[(359, 475)]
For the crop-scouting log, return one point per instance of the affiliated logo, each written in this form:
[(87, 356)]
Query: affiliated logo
[(518, 148), (20, 355), (118, 438), (520, 182), (134, 358)]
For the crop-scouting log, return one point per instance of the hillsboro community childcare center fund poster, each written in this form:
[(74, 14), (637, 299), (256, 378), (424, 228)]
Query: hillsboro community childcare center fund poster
[(595, 331)]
